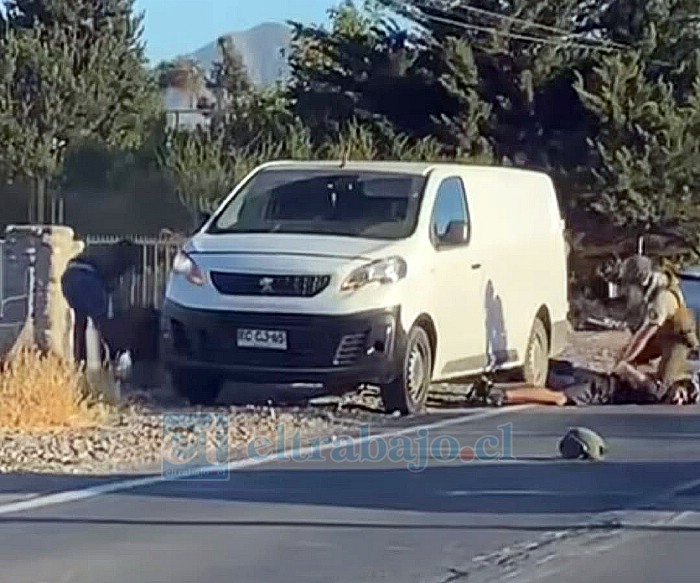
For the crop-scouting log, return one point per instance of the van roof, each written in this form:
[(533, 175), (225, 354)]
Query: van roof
[(422, 168)]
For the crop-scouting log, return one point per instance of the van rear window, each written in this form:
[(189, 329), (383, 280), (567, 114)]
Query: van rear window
[(326, 201)]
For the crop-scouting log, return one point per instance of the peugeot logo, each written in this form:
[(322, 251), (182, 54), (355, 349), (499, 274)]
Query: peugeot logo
[(266, 285)]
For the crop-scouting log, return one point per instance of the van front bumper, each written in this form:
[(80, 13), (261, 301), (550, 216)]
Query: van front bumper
[(336, 351)]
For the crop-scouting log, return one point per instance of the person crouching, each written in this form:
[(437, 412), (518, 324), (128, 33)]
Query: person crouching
[(87, 283)]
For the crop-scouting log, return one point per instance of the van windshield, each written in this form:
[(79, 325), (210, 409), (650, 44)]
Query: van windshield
[(375, 205)]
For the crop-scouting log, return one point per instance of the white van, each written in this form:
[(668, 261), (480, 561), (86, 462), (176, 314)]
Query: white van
[(383, 273)]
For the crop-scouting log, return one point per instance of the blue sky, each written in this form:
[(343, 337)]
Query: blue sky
[(174, 27)]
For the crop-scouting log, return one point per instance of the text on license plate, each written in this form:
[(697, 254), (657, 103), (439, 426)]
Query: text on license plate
[(274, 339)]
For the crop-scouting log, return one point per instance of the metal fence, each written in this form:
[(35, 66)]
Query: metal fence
[(2, 270), (16, 300), (146, 286)]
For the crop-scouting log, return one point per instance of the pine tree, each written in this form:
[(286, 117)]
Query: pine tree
[(248, 126), (39, 111), (110, 60), (648, 148), (230, 74), (665, 33), (508, 69), (363, 68), (646, 168), (465, 126), (71, 71), (246, 115)]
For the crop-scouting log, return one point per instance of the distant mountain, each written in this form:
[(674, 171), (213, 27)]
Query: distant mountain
[(260, 48)]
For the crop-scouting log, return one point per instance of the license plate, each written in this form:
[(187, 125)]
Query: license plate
[(271, 339)]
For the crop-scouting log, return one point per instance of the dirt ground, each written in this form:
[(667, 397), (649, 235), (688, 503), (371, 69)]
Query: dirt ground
[(596, 350)]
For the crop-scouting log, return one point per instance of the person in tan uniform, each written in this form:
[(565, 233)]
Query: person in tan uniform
[(667, 331)]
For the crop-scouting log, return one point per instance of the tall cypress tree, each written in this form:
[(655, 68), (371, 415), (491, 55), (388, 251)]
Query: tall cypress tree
[(364, 67), (647, 150), (508, 66), (110, 61), (72, 71)]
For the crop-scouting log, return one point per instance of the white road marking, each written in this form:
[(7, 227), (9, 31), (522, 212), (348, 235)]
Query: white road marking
[(123, 485), (547, 493)]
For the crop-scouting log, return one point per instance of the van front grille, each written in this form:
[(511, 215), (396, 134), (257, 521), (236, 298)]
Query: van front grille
[(246, 284)]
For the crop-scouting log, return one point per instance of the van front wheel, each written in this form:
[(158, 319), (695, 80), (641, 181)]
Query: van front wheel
[(536, 366), (408, 393)]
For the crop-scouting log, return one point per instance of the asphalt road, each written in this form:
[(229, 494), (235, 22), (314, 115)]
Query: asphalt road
[(631, 518)]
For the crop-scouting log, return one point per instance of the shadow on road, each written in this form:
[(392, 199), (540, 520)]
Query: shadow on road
[(488, 488), (515, 488)]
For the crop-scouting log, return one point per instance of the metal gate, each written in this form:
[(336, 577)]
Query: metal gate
[(145, 287)]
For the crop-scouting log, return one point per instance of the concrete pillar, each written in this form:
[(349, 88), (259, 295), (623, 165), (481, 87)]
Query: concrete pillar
[(38, 255)]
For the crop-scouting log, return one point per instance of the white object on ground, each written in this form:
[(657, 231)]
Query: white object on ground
[(92, 346)]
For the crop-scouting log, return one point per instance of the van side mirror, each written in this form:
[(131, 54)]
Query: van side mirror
[(457, 232)]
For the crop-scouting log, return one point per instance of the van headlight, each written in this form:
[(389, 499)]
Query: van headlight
[(389, 270), (183, 264)]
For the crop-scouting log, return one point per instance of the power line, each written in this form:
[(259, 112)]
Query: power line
[(602, 46), (534, 24), (518, 36)]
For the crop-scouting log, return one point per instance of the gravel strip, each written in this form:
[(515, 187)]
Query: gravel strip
[(134, 440)]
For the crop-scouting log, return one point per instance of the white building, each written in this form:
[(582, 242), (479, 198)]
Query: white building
[(181, 108)]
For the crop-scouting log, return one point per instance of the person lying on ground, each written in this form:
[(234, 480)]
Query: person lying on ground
[(593, 388), (88, 281)]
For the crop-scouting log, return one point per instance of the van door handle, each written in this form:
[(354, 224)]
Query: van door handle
[(476, 265)]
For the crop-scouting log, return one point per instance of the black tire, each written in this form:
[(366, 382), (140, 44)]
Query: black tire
[(199, 388), (408, 394), (536, 366)]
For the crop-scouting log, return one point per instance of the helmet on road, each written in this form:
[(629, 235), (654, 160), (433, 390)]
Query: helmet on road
[(582, 443)]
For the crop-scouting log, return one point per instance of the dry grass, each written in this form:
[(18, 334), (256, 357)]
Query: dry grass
[(44, 392)]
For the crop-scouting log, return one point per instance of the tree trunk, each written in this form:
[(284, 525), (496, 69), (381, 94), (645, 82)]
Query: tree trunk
[(37, 209), (31, 204)]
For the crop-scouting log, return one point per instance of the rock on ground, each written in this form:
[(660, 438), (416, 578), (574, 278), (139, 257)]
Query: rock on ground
[(134, 440)]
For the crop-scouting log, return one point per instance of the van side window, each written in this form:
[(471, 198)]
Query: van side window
[(450, 206)]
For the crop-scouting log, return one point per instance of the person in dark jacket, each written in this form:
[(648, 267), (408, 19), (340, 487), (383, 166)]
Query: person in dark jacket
[(88, 281)]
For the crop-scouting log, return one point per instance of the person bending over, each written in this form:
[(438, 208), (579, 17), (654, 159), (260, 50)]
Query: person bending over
[(88, 281)]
